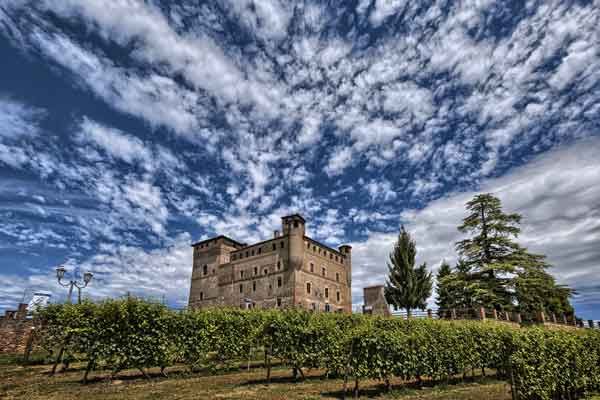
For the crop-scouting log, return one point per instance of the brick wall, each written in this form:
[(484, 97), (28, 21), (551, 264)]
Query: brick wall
[(15, 331)]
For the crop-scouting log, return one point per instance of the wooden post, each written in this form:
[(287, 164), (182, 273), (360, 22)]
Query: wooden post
[(453, 313), (482, 313), (553, 316), (429, 313), (518, 318), (495, 313), (507, 315), (29, 345), (541, 317)]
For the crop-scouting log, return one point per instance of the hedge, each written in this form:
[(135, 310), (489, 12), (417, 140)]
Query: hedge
[(132, 333)]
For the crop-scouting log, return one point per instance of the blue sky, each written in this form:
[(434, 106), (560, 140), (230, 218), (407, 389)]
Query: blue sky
[(128, 129)]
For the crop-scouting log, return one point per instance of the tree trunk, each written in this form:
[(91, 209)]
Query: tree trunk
[(58, 358), (88, 369), (356, 387)]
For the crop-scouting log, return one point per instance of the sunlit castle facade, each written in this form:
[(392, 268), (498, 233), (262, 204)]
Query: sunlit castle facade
[(288, 270)]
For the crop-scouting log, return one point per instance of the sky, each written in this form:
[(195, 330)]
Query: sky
[(130, 129)]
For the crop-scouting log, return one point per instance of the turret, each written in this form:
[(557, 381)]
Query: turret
[(346, 250), (294, 227)]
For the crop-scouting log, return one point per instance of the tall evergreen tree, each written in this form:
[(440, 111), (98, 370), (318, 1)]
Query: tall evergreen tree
[(496, 264), (443, 291), (407, 287)]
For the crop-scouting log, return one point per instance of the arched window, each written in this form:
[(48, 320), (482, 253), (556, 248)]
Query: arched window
[(201, 295), (308, 287), (205, 269), (279, 282)]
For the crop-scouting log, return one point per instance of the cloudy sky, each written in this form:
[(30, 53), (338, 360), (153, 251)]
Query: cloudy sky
[(129, 129)]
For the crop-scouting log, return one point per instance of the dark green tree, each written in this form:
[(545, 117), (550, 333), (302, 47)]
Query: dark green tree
[(407, 287), (496, 263), (537, 289), (444, 298)]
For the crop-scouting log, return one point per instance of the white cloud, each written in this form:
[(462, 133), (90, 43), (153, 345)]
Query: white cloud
[(118, 270), (386, 8), (556, 195), (18, 120), (380, 190), (115, 142), (339, 161)]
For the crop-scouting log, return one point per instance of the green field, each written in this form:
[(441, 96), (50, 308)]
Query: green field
[(34, 382)]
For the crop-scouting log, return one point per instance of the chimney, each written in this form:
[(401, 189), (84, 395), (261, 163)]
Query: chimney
[(275, 234)]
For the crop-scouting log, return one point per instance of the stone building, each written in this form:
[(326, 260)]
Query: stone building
[(288, 270), (374, 301)]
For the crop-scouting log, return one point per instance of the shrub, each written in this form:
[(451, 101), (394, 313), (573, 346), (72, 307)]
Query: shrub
[(132, 333)]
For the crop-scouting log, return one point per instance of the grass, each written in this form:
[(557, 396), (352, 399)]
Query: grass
[(34, 382)]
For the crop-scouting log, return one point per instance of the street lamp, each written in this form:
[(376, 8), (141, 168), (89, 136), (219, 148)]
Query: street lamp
[(87, 277)]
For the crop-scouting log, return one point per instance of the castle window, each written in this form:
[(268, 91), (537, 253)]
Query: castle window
[(201, 295), (295, 224), (324, 272), (213, 271), (278, 302), (312, 267), (337, 276), (254, 286), (279, 282), (307, 245), (308, 288), (281, 245), (337, 295), (241, 288), (205, 269), (233, 257), (242, 274), (255, 271), (274, 246), (247, 254), (252, 252), (266, 271), (327, 307), (278, 265), (336, 258), (331, 256), (314, 306), (326, 293), (314, 248), (259, 250)]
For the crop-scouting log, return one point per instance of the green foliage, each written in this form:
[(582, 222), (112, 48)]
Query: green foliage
[(132, 333), (444, 293), (407, 287), (495, 271)]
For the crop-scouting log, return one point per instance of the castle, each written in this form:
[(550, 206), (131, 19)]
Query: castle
[(288, 270)]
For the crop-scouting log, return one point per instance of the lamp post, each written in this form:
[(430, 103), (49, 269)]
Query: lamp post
[(87, 277)]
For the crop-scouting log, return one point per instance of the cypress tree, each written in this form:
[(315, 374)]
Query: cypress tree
[(407, 287), (443, 290)]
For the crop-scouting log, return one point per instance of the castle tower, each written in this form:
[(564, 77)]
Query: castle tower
[(347, 251), (293, 226)]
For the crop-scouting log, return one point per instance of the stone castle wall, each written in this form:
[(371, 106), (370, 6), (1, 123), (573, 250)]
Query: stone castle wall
[(273, 273)]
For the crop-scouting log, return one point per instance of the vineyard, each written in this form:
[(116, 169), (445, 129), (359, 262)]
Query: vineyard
[(122, 334)]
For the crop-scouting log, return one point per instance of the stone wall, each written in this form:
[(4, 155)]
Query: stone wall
[(15, 331)]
